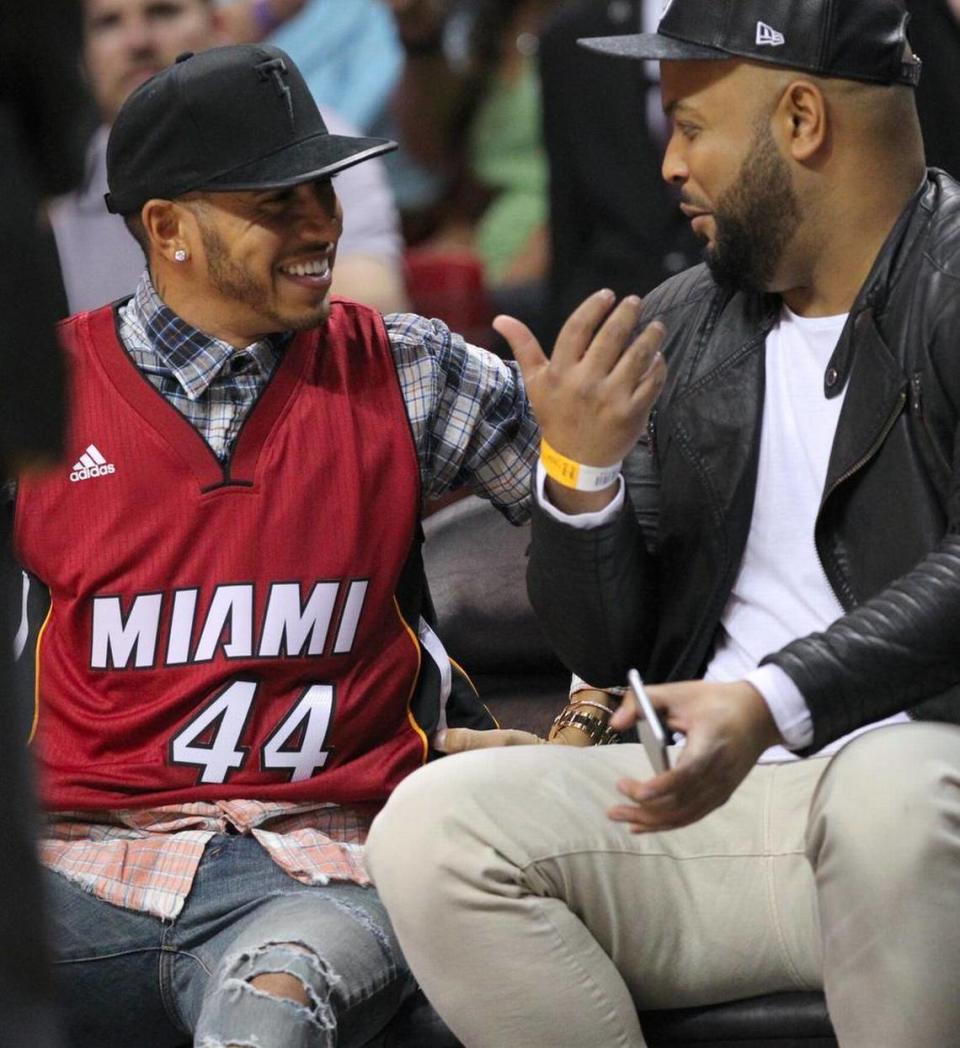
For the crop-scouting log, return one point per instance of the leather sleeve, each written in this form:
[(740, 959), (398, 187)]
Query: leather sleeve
[(594, 590), (896, 650)]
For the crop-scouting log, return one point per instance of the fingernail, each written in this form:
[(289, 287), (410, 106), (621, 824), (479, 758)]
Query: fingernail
[(607, 295), (440, 739)]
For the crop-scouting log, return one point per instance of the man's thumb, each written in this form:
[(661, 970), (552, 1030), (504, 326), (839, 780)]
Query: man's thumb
[(526, 349)]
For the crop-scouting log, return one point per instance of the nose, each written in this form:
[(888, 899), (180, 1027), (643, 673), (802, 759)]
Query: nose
[(137, 35), (674, 168)]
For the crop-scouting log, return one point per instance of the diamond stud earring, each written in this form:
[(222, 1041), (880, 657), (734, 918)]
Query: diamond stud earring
[(180, 254)]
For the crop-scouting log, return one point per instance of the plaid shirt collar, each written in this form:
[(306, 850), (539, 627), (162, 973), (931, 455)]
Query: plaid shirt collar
[(194, 358)]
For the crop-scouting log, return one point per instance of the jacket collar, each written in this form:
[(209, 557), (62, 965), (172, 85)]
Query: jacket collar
[(886, 271)]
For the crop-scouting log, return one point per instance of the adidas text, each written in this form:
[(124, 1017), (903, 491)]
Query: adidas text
[(91, 464), (86, 472)]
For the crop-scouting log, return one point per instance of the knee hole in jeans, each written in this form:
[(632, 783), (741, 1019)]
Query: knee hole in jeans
[(281, 982), (276, 988)]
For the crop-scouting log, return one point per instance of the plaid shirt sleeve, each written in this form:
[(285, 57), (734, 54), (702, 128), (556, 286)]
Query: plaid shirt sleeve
[(471, 420)]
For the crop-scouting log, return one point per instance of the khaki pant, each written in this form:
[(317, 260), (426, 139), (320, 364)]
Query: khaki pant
[(532, 921)]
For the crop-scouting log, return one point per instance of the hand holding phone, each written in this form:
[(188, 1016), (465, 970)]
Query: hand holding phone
[(649, 728)]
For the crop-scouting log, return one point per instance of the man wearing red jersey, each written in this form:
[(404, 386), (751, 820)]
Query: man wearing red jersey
[(233, 668)]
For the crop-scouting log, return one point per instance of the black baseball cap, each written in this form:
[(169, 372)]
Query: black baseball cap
[(851, 39), (231, 118)]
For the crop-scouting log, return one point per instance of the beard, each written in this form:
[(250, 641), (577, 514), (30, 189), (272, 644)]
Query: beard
[(755, 219), (233, 281)]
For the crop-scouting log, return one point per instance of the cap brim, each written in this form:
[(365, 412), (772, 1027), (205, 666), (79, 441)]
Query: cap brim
[(319, 156), (651, 46)]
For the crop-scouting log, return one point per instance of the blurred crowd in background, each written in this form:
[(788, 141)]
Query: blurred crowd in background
[(515, 188)]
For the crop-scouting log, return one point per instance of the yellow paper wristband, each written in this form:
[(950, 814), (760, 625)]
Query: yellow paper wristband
[(576, 475)]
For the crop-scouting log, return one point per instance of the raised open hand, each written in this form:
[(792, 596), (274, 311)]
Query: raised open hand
[(593, 396)]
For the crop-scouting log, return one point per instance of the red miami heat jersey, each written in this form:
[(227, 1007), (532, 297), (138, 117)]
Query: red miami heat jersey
[(227, 630)]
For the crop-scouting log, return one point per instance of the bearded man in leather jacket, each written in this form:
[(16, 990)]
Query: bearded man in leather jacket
[(782, 560)]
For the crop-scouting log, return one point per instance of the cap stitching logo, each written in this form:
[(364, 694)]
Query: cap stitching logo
[(275, 69), (767, 36)]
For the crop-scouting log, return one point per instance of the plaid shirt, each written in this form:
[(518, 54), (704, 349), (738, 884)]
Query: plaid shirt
[(470, 422)]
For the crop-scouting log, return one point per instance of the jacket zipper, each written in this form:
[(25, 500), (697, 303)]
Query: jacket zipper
[(916, 407), (850, 600), (916, 404)]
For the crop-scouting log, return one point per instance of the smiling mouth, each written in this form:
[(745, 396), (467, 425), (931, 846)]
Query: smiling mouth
[(315, 268)]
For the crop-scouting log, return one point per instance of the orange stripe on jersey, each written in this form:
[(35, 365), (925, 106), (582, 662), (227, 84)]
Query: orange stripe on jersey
[(466, 676), (36, 675), (410, 717), (476, 691)]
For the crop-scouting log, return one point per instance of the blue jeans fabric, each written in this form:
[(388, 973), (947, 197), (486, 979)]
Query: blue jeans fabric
[(127, 978)]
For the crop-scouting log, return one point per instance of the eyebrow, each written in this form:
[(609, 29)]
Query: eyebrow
[(671, 108)]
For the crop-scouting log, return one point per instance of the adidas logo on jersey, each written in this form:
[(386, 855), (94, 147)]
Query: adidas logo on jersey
[(767, 36), (91, 464)]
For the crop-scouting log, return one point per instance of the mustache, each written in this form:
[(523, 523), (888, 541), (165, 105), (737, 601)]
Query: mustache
[(691, 201)]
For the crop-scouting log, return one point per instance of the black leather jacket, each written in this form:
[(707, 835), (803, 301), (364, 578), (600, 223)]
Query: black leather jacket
[(888, 530)]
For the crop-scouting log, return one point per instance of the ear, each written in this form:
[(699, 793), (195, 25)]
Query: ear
[(803, 119), (170, 228)]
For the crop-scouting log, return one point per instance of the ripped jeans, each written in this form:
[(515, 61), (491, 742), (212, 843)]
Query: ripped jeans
[(129, 979)]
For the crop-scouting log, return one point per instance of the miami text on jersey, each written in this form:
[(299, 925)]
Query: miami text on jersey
[(325, 624)]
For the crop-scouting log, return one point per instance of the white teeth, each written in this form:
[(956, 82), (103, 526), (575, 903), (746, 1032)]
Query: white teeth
[(316, 268)]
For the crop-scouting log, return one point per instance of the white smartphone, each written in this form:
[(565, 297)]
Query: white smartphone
[(649, 728)]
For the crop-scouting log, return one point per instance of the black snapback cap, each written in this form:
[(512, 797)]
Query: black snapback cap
[(851, 39), (231, 118)]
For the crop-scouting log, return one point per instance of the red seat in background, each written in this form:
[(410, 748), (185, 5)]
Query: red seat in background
[(450, 285)]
